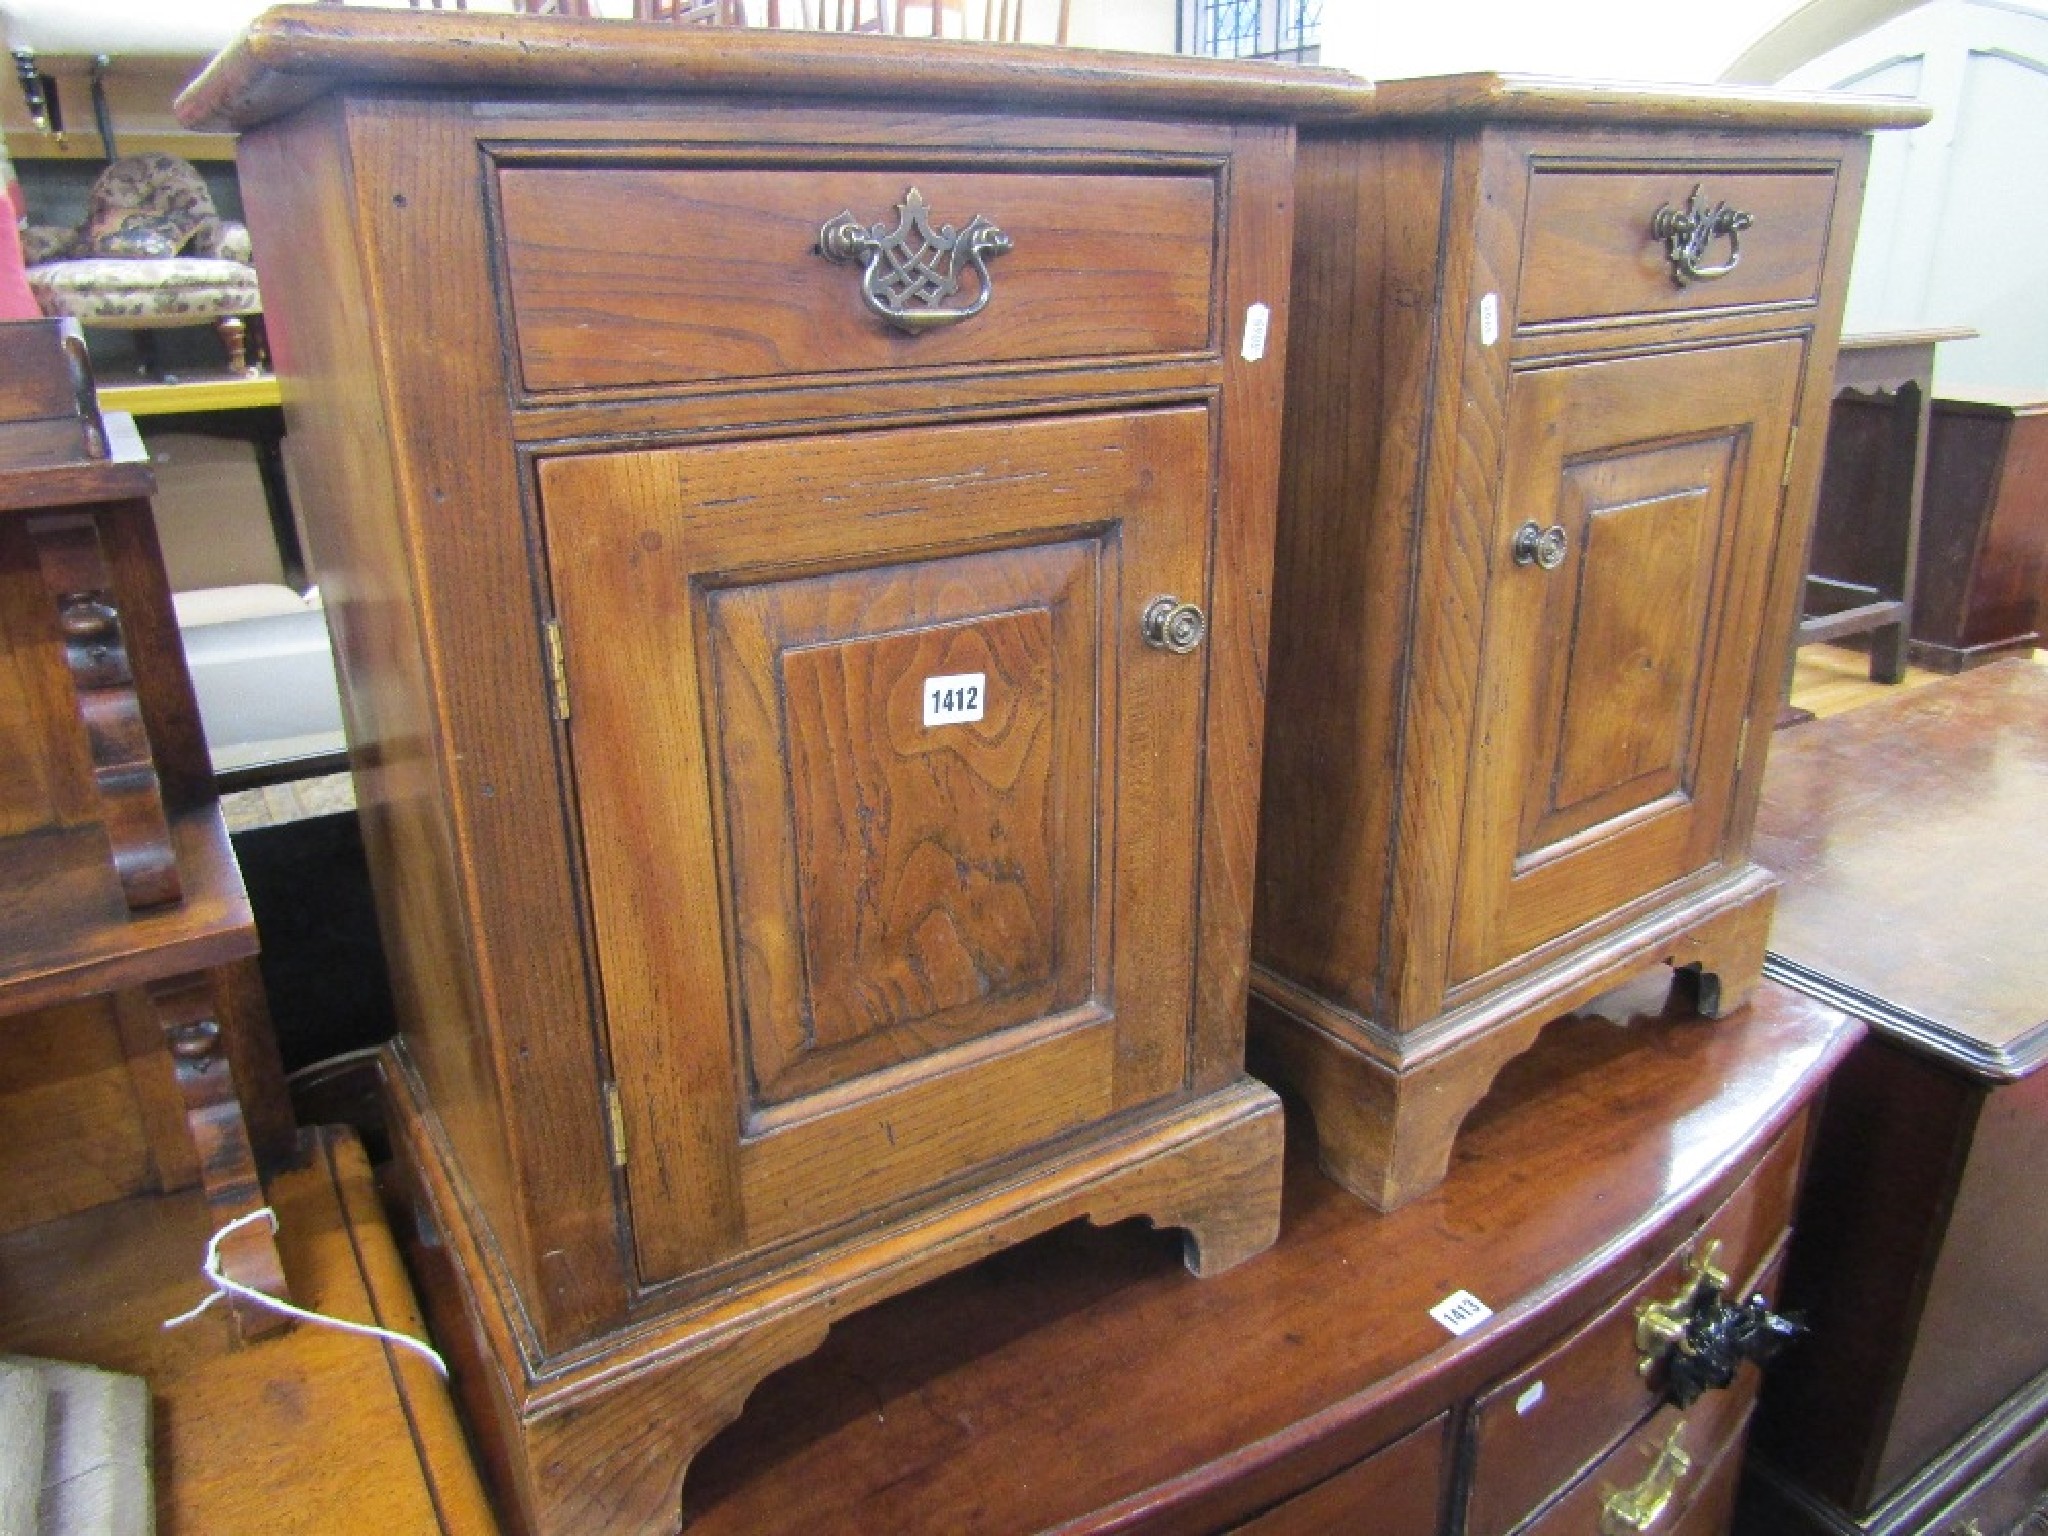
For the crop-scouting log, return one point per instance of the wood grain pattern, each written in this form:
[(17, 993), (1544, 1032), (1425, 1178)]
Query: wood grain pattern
[(631, 536), (1938, 841), (940, 1412), (124, 777), (1592, 255), (45, 775), (1983, 554), (306, 1433), (188, 1018), (1395, 1492), (713, 274), (286, 59), (1488, 782), (1917, 1226), (1536, 1432), (1577, 436), (70, 1134)]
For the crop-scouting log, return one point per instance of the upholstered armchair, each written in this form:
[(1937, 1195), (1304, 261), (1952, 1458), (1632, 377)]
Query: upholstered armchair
[(153, 253)]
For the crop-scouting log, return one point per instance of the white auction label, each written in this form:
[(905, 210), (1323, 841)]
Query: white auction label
[(955, 700), (1531, 1396), (1489, 320), (1256, 321), (1461, 1312)]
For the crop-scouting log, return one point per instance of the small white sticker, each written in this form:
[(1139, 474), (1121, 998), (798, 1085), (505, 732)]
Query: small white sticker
[(1461, 1312), (1531, 1396), (955, 700), (1489, 320), (1256, 320)]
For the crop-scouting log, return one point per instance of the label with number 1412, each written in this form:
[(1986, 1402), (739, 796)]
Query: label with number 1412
[(955, 700)]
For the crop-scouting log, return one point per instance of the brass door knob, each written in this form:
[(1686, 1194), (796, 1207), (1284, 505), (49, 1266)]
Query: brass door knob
[(1171, 625), (1544, 547)]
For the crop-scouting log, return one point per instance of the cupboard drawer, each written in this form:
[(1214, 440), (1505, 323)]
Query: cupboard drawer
[(1590, 253), (623, 277), (1536, 1432)]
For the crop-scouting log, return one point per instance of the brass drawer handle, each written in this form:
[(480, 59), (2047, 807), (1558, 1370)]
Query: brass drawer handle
[(1701, 1339), (1632, 1511), (1168, 624), (1688, 232), (910, 272), (1544, 547)]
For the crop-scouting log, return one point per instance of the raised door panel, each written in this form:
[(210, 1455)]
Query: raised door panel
[(1613, 685), (885, 804)]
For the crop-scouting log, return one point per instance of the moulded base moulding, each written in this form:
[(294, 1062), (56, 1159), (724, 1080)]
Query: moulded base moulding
[(1952, 659), (1387, 1106), (603, 1440)]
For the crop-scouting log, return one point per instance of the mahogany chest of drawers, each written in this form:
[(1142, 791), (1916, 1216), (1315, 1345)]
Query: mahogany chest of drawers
[(796, 517)]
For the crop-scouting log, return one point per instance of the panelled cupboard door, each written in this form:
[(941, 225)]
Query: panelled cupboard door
[(1613, 684), (888, 811)]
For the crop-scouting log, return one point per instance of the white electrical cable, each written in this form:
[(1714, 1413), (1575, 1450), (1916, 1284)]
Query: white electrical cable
[(224, 1287)]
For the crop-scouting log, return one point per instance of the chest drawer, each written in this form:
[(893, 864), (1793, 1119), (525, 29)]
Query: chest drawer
[(1539, 1430), (1393, 1492), (1590, 250), (637, 277), (1675, 1476)]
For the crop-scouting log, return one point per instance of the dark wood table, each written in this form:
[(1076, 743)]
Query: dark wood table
[(1866, 534), (1910, 835)]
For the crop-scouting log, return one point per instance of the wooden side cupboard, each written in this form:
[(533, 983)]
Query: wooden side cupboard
[(796, 518), (1909, 834), (1547, 478)]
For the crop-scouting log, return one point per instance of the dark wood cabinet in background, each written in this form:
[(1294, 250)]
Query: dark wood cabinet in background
[(1543, 506), (1983, 568)]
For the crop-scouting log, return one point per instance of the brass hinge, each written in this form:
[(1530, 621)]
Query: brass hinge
[(1742, 747), (558, 668), (1791, 448), (615, 1113)]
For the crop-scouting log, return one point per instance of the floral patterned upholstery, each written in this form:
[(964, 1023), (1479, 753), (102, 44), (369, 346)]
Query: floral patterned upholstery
[(152, 252)]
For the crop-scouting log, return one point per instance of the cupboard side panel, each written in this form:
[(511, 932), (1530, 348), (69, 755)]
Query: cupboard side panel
[(296, 179), (419, 197), (1340, 573), (1258, 247), (1787, 580)]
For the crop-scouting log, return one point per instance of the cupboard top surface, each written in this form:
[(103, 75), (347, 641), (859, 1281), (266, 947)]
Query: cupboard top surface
[(294, 54), (1908, 833), (1029, 1390)]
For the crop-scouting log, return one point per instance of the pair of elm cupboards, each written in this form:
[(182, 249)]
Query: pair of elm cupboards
[(798, 518)]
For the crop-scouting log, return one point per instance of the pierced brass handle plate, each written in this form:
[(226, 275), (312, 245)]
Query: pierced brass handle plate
[(908, 274), (1633, 1511), (1661, 1325), (1688, 232), (1544, 547), (1170, 625)]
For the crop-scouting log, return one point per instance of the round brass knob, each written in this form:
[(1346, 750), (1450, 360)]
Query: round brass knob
[(1540, 546), (1172, 625)]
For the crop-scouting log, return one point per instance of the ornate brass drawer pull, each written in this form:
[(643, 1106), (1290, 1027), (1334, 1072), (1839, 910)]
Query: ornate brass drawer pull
[(1688, 232), (1168, 624), (910, 272), (1632, 1511)]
